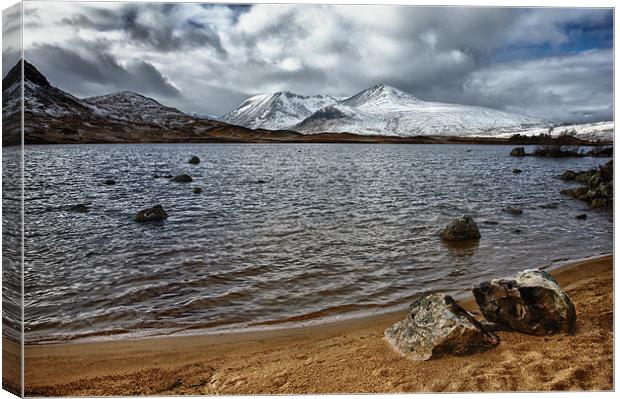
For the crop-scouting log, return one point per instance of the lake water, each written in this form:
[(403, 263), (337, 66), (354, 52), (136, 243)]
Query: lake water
[(281, 232)]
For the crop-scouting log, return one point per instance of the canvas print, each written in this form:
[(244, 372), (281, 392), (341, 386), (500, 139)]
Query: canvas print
[(205, 199)]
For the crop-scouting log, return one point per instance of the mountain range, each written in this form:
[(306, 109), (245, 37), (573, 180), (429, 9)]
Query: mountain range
[(378, 110), (379, 114)]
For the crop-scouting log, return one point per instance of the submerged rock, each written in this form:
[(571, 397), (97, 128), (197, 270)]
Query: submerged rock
[(461, 229), (197, 190), (551, 205), (79, 208), (581, 216), (518, 152), (153, 214), (109, 182), (182, 179), (194, 160), (436, 325), (513, 211), (491, 222), (532, 303), (517, 171)]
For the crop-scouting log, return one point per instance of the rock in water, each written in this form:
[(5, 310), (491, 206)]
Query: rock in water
[(194, 160), (79, 208), (532, 303), (197, 190), (568, 175), (517, 171), (581, 216), (437, 325), (153, 214), (182, 179), (513, 211), (461, 229), (518, 152), (109, 182)]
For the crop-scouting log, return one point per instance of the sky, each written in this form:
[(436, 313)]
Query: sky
[(551, 63)]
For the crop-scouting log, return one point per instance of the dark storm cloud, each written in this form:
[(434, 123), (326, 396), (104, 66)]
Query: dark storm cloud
[(161, 32), (217, 54), (99, 69)]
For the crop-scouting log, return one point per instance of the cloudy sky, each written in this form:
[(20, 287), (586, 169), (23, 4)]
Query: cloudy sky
[(551, 63)]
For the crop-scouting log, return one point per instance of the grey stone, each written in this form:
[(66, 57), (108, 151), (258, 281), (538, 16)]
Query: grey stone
[(532, 303), (461, 229), (436, 325), (153, 214)]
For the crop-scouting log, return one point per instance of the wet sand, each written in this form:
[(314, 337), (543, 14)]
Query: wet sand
[(340, 357)]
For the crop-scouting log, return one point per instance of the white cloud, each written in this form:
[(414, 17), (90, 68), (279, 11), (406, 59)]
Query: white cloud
[(217, 55)]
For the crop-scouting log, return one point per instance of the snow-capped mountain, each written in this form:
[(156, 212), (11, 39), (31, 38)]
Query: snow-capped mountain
[(276, 110), (385, 110)]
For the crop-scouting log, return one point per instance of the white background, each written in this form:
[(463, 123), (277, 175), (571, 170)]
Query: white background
[(539, 3)]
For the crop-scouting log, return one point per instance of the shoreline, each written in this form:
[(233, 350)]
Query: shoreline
[(314, 358), (296, 321)]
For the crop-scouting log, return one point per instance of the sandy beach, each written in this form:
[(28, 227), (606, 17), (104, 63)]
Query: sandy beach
[(346, 356)]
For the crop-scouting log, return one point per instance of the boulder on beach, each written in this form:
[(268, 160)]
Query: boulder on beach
[(518, 152), (194, 160), (182, 179), (436, 325), (153, 214), (461, 229), (532, 303)]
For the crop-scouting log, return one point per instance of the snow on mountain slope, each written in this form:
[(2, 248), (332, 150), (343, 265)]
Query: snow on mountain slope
[(385, 110), (134, 107), (276, 110)]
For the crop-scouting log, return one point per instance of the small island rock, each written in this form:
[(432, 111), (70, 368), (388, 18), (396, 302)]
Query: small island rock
[(194, 160), (518, 152), (182, 179), (153, 214), (461, 229)]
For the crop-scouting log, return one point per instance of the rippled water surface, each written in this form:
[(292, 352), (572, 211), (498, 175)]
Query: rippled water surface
[(280, 233)]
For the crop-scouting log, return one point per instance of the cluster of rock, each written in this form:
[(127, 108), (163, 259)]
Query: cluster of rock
[(598, 189), (155, 213), (532, 303)]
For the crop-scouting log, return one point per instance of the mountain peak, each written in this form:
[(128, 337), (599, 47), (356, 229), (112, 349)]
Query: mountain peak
[(31, 74), (381, 94)]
